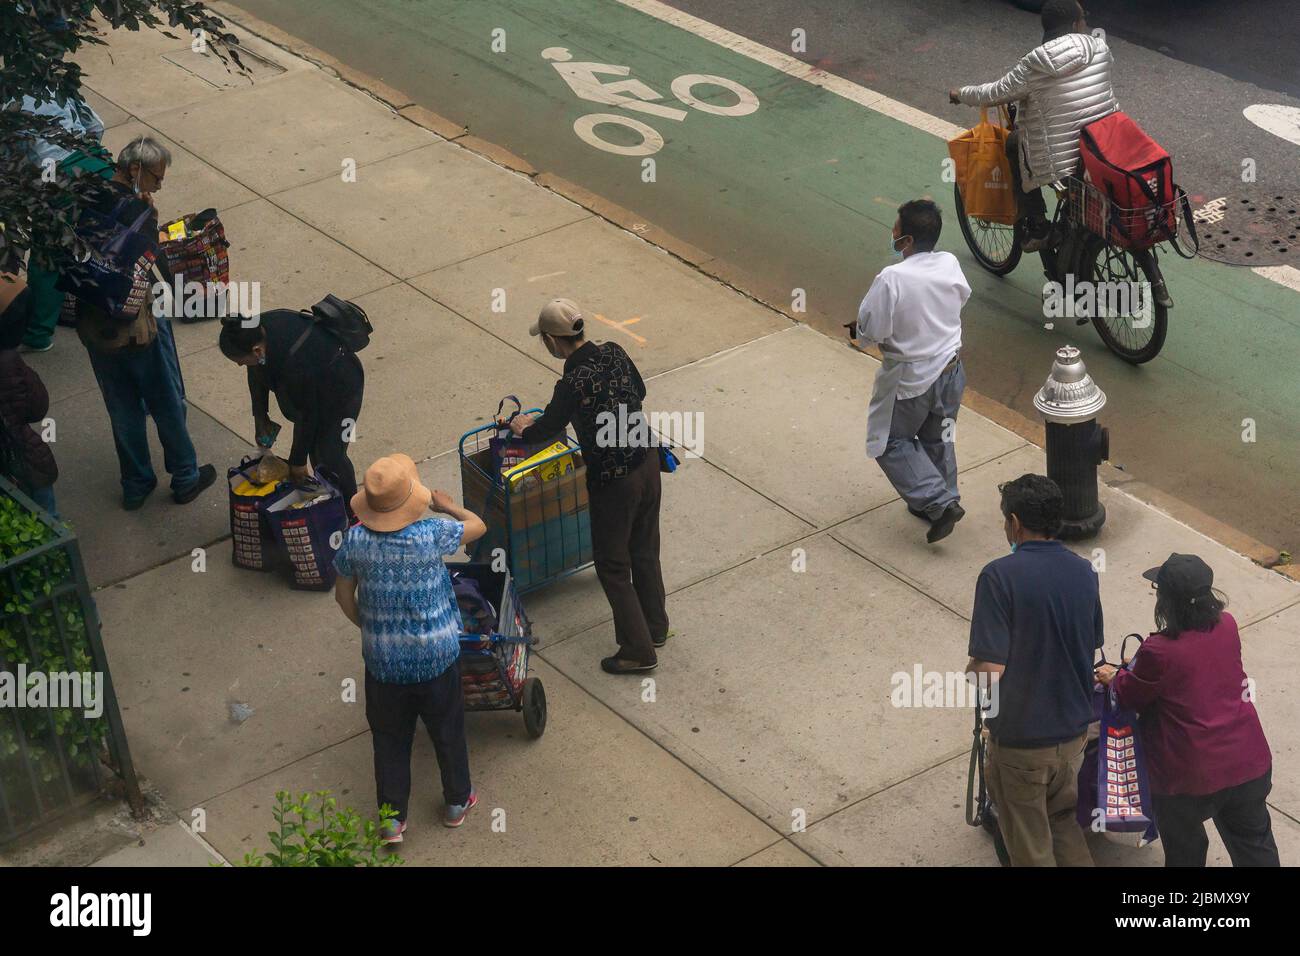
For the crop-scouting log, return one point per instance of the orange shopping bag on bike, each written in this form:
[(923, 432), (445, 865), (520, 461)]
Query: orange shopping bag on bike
[(979, 156)]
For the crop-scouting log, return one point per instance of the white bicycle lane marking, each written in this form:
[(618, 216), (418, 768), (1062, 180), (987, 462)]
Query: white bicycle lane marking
[(1286, 276), (584, 79), (1282, 121)]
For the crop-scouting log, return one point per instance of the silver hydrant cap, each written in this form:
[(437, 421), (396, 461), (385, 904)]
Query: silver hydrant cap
[(1069, 395)]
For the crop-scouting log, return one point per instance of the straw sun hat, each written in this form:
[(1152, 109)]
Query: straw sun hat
[(391, 497)]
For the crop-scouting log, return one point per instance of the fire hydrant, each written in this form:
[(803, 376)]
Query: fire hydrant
[(1069, 402)]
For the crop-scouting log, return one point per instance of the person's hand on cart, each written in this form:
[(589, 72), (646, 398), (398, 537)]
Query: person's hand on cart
[(519, 422)]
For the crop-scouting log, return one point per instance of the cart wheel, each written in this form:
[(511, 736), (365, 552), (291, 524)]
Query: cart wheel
[(534, 705)]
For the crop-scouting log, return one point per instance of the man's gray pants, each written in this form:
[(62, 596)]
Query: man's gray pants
[(918, 462)]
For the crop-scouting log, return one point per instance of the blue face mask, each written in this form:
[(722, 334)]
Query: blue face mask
[(893, 246), (1013, 547)]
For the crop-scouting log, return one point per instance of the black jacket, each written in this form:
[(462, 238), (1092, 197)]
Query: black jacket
[(598, 379), (312, 382), (23, 399)]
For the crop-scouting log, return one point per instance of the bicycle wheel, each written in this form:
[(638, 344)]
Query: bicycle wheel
[(1124, 310), (996, 247)]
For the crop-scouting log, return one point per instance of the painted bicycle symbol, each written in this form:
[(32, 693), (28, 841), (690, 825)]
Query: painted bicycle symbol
[(630, 94)]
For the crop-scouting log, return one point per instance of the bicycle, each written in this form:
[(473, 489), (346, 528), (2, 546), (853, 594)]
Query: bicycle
[(1081, 259)]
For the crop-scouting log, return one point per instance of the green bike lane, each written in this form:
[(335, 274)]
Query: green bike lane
[(800, 194)]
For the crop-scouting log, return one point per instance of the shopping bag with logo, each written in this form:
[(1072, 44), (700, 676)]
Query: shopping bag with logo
[(250, 531), (309, 522), (1114, 793), (196, 250), (983, 172)]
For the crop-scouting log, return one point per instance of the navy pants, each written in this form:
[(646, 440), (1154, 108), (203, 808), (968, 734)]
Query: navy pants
[(392, 710), (138, 384), (1240, 814)]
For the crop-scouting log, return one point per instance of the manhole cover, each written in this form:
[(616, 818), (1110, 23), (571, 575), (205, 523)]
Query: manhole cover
[(1250, 230)]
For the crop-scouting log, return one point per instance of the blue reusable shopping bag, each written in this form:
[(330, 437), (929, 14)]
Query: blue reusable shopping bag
[(309, 523), (1114, 793), (118, 267)]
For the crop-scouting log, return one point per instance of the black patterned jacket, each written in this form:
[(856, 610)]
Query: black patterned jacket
[(598, 378)]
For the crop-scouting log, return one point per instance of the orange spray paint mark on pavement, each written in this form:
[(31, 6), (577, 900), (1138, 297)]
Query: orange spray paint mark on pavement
[(622, 326)]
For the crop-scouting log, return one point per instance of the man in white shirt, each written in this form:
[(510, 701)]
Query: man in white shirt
[(913, 313)]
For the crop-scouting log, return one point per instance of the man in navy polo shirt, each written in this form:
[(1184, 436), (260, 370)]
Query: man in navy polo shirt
[(1034, 629)]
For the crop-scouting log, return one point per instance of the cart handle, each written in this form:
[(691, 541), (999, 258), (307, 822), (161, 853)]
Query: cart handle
[(492, 425)]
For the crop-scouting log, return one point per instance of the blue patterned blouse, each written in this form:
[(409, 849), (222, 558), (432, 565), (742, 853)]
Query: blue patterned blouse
[(409, 619)]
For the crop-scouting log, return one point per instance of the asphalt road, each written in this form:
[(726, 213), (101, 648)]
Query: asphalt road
[(800, 194), (1250, 40)]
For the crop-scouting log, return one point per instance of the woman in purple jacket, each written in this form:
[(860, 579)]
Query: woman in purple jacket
[(1205, 748)]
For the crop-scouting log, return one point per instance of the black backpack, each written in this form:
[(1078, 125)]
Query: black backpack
[(345, 320)]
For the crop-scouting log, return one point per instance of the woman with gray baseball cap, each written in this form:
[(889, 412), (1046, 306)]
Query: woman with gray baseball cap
[(1206, 751)]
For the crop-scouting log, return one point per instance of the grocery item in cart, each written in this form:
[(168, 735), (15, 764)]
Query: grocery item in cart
[(538, 466)]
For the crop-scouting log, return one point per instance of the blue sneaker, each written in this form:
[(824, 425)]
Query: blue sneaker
[(390, 831), (456, 812)]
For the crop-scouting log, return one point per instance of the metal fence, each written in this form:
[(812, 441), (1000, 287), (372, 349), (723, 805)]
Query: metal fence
[(53, 757)]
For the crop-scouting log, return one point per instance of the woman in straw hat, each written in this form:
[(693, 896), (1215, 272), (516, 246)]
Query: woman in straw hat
[(392, 584)]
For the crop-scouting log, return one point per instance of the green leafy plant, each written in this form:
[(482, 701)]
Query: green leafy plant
[(313, 831), (29, 635), (37, 39)]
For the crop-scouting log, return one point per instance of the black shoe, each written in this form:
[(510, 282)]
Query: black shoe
[(920, 514), (661, 641), (943, 525), (134, 504), (1160, 292), (621, 665), (207, 475), (1036, 235)]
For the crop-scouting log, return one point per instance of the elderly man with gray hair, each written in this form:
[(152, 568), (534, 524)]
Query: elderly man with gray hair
[(140, 374)]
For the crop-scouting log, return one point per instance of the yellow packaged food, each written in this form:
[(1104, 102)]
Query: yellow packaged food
[(538, 466), (246, 488)]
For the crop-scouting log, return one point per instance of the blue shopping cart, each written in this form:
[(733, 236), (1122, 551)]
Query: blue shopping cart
[(542, 528)]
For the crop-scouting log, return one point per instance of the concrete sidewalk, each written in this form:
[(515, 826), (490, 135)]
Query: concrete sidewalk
[(798, 583)]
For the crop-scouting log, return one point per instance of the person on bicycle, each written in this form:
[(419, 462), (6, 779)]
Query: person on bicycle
[(1060, 87)]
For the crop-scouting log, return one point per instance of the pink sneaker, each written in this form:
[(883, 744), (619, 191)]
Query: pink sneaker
[(391, 831), (456, 812)]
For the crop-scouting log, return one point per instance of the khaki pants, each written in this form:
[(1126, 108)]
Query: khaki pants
[(1035, 791)]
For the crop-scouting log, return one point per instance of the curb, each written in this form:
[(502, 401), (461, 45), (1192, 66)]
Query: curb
[(1032, 431)]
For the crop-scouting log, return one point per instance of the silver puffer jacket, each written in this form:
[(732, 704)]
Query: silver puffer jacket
[(1062, 86)]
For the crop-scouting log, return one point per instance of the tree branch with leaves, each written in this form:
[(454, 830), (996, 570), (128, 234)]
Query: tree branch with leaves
[(38, 40)]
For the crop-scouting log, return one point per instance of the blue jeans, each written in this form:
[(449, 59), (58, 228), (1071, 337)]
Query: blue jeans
[(918, 461), (140, 383)]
